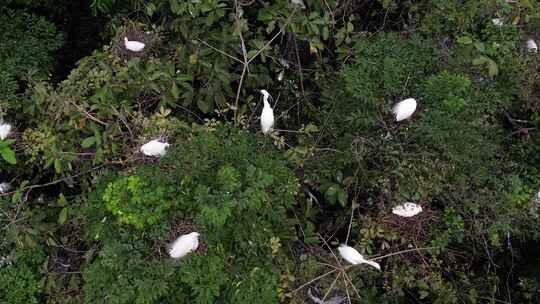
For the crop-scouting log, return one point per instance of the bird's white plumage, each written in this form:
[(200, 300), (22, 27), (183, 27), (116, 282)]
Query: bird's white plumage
[(532, 47), (267, 114), (299, 3), (354, 257), (498, 21), (4, 187), (154, 148), (404, 109), (407, 210), (5, 129), (134, 46), (184, 245)]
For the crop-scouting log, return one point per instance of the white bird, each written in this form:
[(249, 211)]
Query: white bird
[(407, 210), (498, 21), (354, 257), (532, 47), (184, 245), (404, 109), (4, 187), (154, 148), (5, 129), (267, 114), (134, 46), (299, 3)]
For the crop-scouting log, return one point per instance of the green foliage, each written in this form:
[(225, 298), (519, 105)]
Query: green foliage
[(469, 154), (20, 280), (7, 152), (129, 199), (238, 211), (384, 68), (28, 46)]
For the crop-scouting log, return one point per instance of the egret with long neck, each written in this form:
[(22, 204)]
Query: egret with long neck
[(267, 114)]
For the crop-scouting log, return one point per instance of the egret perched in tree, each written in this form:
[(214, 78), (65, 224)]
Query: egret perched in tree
[(267, 115), (299, 3), (404, 109), (154, 148), (498, 21), (407, 210), (184, 245), (5, 129), (531, 46), (134, 46), (4, 187), (354, 257)]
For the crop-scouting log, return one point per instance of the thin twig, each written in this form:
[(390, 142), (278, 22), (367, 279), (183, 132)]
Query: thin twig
[(331, 286), (299, 68), (289, 19), (220, 51), (88, 115), (54, 182), (400, 252), (350, 225)]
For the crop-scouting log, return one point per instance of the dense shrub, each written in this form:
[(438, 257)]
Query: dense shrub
[(28, 46), (235, 194), (104, 213), (20, 279)]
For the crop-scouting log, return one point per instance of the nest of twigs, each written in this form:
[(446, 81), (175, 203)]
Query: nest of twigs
[(134, 33), (413, 229), (181, 227)]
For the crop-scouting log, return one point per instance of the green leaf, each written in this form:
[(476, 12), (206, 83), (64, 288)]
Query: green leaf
[(480, 60), (464, 40), (203, 105), (57, 166), (88, 142), (480, 46), (62, 217), (62, 200), (8, 155), (175, 91), (342, 197), (493, 68)]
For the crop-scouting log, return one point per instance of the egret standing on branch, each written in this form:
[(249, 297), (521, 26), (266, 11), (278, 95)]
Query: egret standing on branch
[(354, 257), (404, 109), (267, 115), (134, 46)]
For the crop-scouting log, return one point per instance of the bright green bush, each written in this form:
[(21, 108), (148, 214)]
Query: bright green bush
[(136, 202)]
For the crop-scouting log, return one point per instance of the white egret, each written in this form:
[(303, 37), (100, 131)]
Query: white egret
[(154, 148), (4, 188), (354, 257), (5, 129), (532, 47), (299, 3), (407, 210), (498, 21), (404, 109), (134, 46), (184, 245), (267, 114)]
